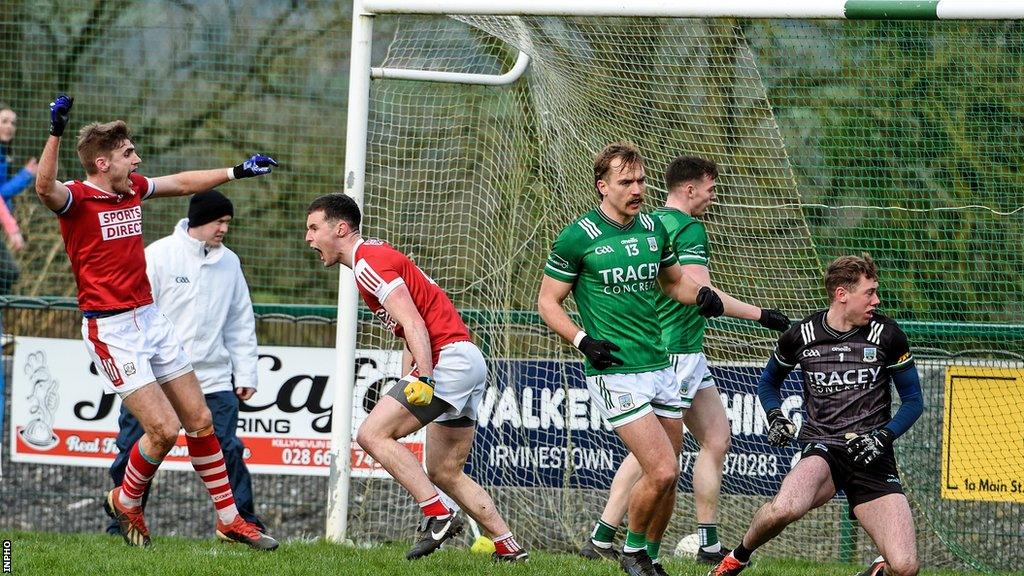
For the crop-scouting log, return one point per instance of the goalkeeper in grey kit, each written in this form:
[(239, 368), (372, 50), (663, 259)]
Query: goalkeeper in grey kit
[(851, 357)]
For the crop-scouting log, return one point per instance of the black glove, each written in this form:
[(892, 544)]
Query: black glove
[(773, 319), (258, 165), (866, 448), (60, 109), (709, 303), (599, 352), (781, 430)]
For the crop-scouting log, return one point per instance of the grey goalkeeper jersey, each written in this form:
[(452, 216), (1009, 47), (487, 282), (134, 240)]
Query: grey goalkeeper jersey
[(847, 376)]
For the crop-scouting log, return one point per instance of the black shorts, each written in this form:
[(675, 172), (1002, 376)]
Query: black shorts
[(859, 483)]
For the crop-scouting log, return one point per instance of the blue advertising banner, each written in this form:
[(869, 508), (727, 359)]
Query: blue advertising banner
[(539, 427)]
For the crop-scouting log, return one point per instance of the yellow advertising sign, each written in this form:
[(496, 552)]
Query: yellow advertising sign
[(983, 434)]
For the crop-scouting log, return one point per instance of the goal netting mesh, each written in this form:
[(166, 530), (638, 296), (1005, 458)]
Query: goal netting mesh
[(475, 182)]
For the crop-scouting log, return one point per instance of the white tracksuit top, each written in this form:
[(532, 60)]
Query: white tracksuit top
[(207, 299)]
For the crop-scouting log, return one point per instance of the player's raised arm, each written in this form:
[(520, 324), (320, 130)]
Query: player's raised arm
[(54, 194), (193, 181)]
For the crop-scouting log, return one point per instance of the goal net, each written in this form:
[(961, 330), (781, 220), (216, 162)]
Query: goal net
[(829, 137)]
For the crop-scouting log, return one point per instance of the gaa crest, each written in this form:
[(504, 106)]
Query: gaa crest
[(129, 368), (870, 354), (626, 401), (652, 242)]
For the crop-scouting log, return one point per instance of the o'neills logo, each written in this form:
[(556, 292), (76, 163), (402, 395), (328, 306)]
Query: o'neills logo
[(122, 223)]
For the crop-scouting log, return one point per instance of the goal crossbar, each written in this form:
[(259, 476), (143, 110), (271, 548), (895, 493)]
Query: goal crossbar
[(806, 9)]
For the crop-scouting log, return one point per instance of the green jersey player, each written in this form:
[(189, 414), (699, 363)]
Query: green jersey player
[(690, 182), (613, 260)]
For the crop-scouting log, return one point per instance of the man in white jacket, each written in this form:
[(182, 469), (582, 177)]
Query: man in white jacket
[(198, 284)]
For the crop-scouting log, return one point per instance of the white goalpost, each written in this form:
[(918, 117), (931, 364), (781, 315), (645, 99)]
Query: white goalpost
[(469, 147)]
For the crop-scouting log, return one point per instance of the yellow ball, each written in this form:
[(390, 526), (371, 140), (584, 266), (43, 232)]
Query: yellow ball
[(482, 545)]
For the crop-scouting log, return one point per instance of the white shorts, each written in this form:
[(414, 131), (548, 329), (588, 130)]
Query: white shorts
[(135, 348), (460, 379), (624, 398), (692, 374)]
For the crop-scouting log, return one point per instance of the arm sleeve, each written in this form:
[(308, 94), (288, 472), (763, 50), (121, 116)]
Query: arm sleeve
[(68, 209), (908, 385), (240, 335), (907, 381), (565, 259), (378, 275), (668, 252), (17, 184), (143, 186), (770, 384), (897, 350), (691, 244)]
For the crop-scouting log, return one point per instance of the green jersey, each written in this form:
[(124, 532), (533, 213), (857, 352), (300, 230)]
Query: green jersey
[(682, 326), (613, 270)]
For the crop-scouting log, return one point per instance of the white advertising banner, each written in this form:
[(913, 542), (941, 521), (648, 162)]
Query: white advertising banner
[(61, 415)]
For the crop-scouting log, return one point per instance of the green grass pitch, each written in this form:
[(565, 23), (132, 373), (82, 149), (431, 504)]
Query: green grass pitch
[(91, 554)]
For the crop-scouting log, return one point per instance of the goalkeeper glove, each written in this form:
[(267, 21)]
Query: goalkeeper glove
[(420, 391), (599, 352), (773, 319), (709, 303), (781, 430), (866, 448), (60, 109), (258, 165)]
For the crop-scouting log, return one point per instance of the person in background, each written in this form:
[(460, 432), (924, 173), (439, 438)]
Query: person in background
[(11, 186)]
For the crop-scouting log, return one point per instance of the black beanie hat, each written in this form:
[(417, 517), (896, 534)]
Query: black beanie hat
[(206, 207)]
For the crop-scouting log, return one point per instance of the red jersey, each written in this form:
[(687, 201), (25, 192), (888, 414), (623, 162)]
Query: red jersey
[(379, 269), (103, 238)]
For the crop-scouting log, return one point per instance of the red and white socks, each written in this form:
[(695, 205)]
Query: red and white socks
[(506, 545), (208, 461), (435, 507), (137, 475)]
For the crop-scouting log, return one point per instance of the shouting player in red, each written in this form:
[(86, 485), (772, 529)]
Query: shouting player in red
[(442, 391), (128, 338)]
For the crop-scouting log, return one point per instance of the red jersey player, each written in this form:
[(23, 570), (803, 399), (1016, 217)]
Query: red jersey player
[(134, 344), (441, 392)]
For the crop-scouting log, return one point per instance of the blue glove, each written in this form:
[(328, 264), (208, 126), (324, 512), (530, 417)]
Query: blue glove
[(60, 109), (258, 165)]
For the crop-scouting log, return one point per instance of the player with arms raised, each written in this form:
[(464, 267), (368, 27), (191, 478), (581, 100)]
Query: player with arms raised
[(442, 392), (613, 259), (130, 341), (851, 357)]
